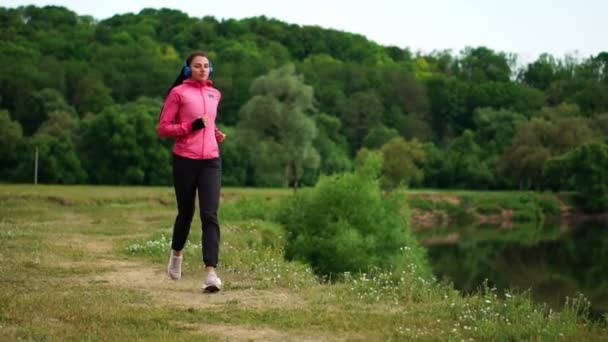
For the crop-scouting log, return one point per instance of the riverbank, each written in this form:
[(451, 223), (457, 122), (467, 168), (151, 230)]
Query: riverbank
[(432, 209), (93, 269)]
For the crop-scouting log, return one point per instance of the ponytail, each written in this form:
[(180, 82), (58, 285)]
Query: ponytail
[(179, 80)]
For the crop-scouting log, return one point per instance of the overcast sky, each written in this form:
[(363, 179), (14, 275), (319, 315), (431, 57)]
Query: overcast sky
[(525, 27)]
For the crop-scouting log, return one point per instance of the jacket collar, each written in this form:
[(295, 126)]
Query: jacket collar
[(205, 83)]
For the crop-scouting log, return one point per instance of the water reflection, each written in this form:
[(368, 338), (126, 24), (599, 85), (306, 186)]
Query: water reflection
[(553, 261)]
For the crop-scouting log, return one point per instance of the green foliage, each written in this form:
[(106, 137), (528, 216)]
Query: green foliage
[(58, 162), (535, 142), (91, 95), (262, 289), (481, 64), (464, 166), (378, 136), (448, 110), (252, 207), (54, 61), (332, 145), (402, 160), (275, 120), (586, 170), (541, 73), (495, 128), (549, 204), (506, 95), (59, 123), (346, 224), (10, 136), (125, 135), (234, 162), (359, 114)]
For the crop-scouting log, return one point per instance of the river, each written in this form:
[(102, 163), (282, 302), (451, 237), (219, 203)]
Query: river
[(554, 261)]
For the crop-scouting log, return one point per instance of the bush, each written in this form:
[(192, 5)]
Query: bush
[(345, 224), (549, 205)]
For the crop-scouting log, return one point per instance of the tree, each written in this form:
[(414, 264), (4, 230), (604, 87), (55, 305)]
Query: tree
[(535, 142), (234, 161), (507, 95), (402, 160), (91, 95), (241, 63), (495, 128), (592, 97), (482, 64), (359, 114), (595, 68), (585, 170), (448, 105), (60, 122), (434, 167), (399, 87), (415, 126), (58, 161), (275, 120), (10, 136), (600, 125), (41, 104), (540, 73), (378, 136), (332, 145), (464, 165), (325, 74), (120, 145), (559, 112)]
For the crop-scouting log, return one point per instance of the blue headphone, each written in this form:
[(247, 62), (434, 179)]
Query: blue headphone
[(188, 71)]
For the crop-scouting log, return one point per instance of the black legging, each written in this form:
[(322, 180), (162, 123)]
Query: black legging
[(206, 176)]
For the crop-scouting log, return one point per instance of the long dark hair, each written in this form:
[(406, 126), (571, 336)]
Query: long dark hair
[(181, 77)]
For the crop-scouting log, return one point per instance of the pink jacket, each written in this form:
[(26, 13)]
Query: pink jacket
[(185, 103)]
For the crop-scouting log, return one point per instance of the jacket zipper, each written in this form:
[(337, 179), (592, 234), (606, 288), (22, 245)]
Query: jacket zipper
[(204, 129)]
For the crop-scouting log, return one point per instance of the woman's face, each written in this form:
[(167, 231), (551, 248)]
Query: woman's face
[(200, 68)]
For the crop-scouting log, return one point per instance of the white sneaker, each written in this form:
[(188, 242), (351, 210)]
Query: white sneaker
[(213, 283), (174, 269)]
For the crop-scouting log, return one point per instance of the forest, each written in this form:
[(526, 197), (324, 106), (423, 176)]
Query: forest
[(298, 102)]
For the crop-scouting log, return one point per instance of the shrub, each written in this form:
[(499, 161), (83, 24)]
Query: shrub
[(346, 224), (549, 205)]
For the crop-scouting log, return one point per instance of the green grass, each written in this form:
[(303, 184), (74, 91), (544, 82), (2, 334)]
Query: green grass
[(87, 263)]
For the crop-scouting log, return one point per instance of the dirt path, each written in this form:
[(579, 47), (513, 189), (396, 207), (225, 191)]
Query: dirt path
[(131, 273)]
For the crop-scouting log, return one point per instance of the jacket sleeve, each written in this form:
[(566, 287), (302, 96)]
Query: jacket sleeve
[(167, 127)]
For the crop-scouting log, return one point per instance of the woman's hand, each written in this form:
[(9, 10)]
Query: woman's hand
[(198, 124), (219, 136)]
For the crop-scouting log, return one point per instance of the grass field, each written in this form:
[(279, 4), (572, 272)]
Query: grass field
[(87, 263)]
